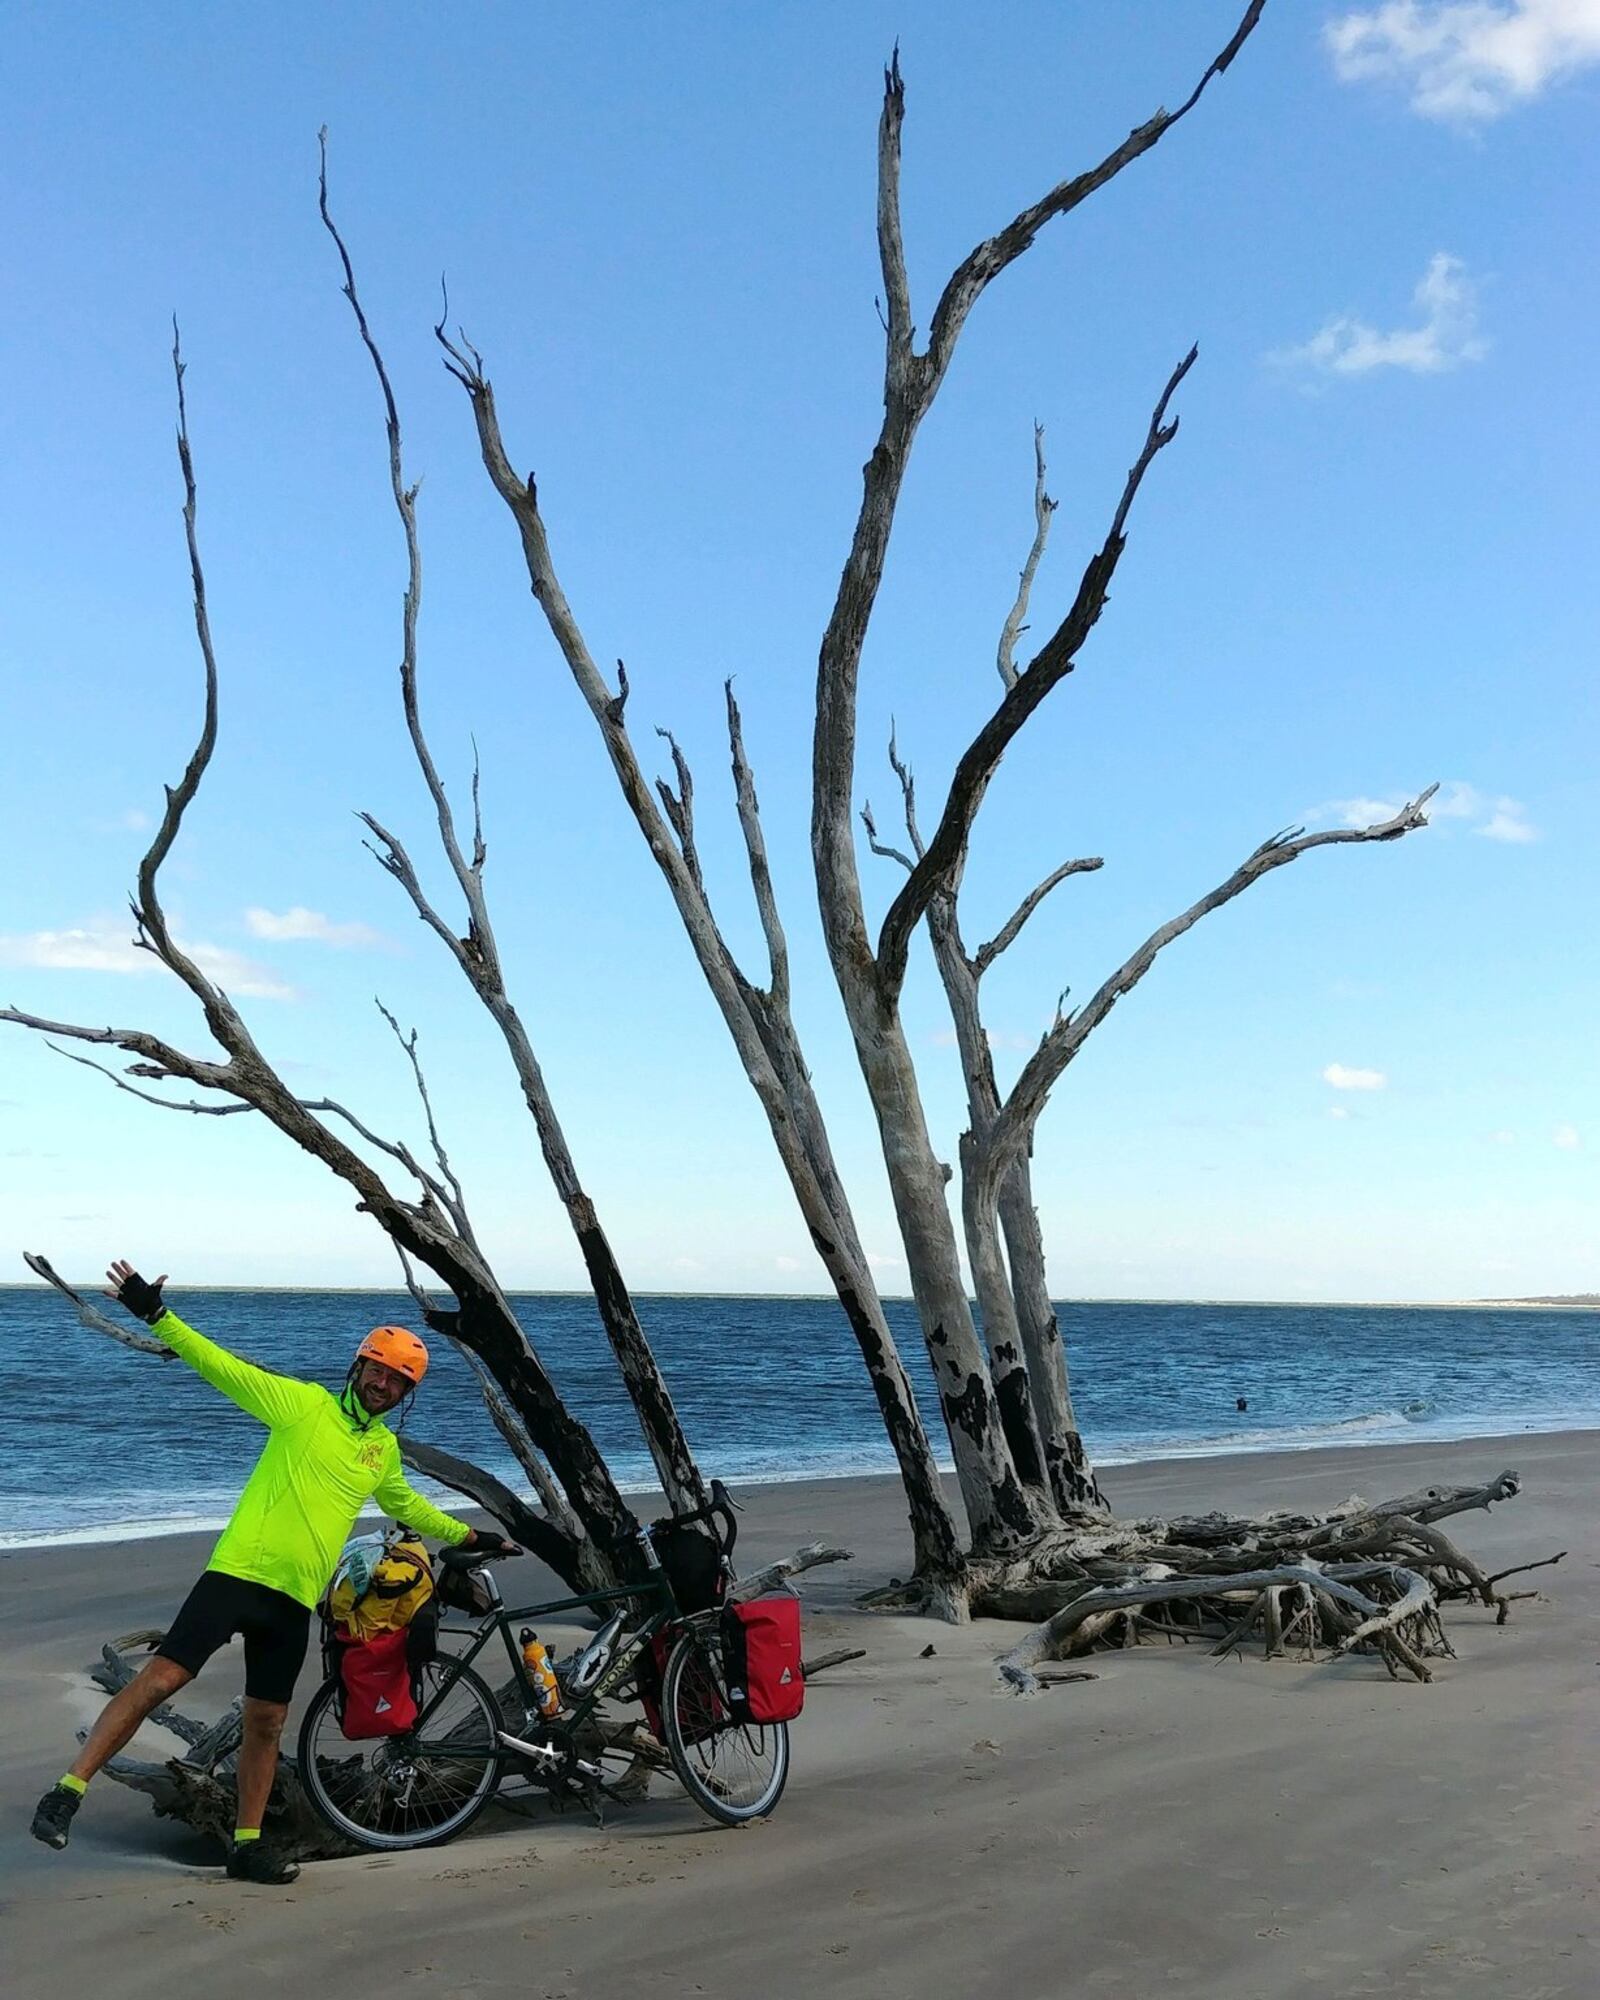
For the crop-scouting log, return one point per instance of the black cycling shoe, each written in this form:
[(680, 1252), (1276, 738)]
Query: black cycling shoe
[(255, 1861), (52, 1819)]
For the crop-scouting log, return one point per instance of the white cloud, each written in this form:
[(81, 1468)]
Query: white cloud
[(1503, 1137), (1466, 60), (1358, 811), (1338, 1111), (787, 1264), (1566, 1137), (880, 1262), (1446, 334), (300, 923), (106, 947), (1507, 821), (1344, 1078)]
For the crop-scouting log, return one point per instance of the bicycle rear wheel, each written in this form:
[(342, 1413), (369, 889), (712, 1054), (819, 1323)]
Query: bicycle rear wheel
[(413, 1790), (735, 1771)]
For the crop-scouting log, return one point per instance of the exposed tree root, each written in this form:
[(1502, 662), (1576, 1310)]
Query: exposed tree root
[(1363, 1577)]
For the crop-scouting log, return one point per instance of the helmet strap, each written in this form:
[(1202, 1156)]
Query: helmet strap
[(354, 1408)]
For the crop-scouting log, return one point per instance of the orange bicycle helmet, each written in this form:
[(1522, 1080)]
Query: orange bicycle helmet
[(397, 1348)]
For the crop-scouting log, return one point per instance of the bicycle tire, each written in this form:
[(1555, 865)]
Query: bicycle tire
[(699, 1729), (330, 1798)]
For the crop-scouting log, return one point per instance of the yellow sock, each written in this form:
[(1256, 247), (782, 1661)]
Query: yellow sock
[(71, 1784), (245, 1833)]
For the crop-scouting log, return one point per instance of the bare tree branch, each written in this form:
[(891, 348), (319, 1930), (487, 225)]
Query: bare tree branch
[(91, 1316), (1031, 1389), (148, 914), (891, 244), (1063, 1041), (327, 1105), (680, 808), (755, 843), (161, 1059), (908, 791), (454, 1199), (419, 1228), (986, 954), (468, 874), (1043, 508), (882, 847), (149, 1096), (941, 864), (394, 859), (538, 1536), (977, 270)]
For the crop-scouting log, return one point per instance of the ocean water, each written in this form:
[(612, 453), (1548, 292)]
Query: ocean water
[(100, 1443)]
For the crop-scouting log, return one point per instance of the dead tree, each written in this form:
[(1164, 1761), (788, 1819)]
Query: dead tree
[(990, 1413), (592, 1533), (1003, 1513)]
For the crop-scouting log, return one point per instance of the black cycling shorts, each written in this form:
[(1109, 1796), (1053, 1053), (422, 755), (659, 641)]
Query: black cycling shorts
[(276, 1632)]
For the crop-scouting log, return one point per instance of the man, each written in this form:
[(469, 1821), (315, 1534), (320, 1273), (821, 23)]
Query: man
[(324, 1458)]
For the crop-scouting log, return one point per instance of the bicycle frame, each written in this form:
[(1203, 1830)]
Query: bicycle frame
[(512, 1749)]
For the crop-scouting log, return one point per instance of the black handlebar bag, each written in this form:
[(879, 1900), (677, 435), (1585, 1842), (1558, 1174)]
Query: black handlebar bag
[(693, 1563)]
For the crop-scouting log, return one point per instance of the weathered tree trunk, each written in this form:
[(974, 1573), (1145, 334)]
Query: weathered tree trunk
[(1067, 1459), (1026, 1362)]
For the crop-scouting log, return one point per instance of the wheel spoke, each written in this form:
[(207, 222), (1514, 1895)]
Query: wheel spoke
[(402, 1791), (734, 1770)]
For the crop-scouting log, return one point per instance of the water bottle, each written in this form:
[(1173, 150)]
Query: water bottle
[(546, 1688)]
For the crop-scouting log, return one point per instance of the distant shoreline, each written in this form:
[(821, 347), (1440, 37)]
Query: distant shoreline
[(1556, 1302)]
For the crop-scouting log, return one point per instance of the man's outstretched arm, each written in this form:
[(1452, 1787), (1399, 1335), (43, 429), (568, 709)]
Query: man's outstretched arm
[(271, 1399), (398, 1497)]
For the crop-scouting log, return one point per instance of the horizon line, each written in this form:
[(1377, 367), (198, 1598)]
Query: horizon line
[(1578, 1301)]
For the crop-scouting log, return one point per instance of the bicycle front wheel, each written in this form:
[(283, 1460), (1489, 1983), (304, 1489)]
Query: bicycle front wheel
[(413, 1790), (735, 1771)]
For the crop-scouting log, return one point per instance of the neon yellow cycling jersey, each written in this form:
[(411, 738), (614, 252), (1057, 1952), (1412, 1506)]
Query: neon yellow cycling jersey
[(324, 1459)]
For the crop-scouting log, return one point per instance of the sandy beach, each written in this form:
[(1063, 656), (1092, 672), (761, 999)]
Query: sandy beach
[(1177, 1825)]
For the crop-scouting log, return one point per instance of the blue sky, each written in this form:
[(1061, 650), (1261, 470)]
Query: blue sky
[(1366, 564)]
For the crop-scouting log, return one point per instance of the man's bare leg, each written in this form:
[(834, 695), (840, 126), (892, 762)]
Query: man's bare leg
[(258, 1759), (157, 1681)]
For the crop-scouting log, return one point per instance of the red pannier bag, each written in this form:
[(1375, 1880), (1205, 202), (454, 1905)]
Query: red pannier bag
[(761, 1650), (652, 1666), (378, 1696)]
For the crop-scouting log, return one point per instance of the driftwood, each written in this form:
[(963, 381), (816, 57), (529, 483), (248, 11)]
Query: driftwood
[(1364, 1577), (812, 1556), (198, 1788)]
